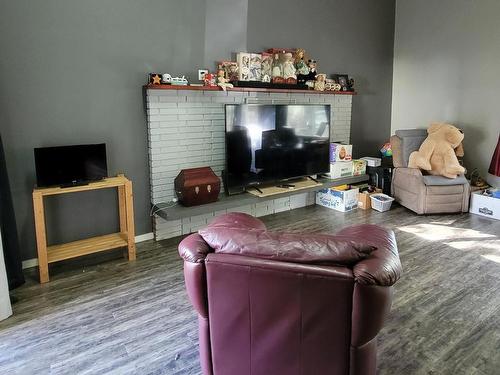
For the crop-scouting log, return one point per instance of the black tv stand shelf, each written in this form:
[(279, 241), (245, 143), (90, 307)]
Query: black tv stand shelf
[(167, 212)]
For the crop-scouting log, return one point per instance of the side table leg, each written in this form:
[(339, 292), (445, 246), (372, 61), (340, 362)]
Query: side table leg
[(129, 204), (41, 237), (122, 212)]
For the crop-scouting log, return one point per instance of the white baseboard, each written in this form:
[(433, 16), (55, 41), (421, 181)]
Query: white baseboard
[(33, 262), (144, 237)]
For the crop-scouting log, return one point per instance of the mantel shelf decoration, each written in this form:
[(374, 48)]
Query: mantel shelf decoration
[(281, 69), (243, 89)]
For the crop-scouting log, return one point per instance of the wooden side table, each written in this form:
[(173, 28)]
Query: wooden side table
[(124, 238)]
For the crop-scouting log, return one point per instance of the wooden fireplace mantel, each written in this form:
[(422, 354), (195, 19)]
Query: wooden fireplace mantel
[(244, 89)]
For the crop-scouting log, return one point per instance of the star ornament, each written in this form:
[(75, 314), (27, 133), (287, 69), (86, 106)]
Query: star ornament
[(156, 79)]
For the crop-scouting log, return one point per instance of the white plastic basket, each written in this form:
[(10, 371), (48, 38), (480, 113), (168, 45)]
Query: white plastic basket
[(381, 202)]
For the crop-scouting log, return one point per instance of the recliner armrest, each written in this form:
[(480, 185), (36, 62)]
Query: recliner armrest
[(415, 172), (382, 267), (193, 249)]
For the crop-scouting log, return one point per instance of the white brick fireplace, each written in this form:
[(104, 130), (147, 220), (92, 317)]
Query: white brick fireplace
[(186, 129)]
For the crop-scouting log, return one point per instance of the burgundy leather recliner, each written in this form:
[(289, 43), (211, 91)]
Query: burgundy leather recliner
[(273, 303)]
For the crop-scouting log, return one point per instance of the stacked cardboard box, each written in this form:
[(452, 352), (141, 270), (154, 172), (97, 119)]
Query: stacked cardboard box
[(342, 164)]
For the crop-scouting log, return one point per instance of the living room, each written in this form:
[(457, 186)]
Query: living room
[(418, 290)]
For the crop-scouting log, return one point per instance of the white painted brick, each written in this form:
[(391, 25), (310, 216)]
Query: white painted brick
[(159, 92), (191, 105), (188, 140), (202, 218), (223, 100), (161, 223), (162, 117), (190, 93), (298, 200), (162, 105), (173, 99), (195, 99), (191, 117)]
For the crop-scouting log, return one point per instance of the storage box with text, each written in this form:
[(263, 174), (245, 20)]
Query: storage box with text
[(340, 200), (484, 205)]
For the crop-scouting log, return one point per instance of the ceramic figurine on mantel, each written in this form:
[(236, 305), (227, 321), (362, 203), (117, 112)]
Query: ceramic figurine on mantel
[(277, 73), (301, 66), (209, 79), (350, 85), (154, 78), (267, 67), (311, 77), (331, 85), (222, 81), (289, 72), (319, 84)]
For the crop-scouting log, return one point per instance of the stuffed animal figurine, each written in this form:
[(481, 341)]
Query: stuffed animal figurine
[(438, 153)]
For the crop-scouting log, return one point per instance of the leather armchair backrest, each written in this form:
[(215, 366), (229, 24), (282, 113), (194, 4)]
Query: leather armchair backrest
[(409, 141), (301, 323)]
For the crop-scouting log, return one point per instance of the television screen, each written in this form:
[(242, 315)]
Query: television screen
[(70, 165), (270, 143)]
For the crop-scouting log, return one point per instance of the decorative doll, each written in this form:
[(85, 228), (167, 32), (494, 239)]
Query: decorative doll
[(319, 84), (312, 64), (276, 72), (301, 66), (222, 81), (289, 71), (267, 67), (311, 76), (209, 79), (350, 85)]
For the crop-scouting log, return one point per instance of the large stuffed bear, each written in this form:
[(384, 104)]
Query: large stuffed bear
[(438, 153)]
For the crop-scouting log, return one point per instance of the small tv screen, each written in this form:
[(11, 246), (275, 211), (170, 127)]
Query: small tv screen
[(70, 165), (269, 143)]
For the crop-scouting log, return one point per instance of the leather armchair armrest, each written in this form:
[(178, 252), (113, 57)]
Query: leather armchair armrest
[(383, 266), (193, 249)]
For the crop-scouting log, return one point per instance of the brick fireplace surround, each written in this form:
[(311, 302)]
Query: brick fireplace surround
[(186, 129)]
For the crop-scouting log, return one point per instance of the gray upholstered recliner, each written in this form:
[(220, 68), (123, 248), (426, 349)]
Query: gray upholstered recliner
[(424, 194)]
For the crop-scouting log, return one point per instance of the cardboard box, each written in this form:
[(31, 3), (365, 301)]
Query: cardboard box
[(340, 169), (340, 152), (372, 162), (364, 201), (340, 200), (358, 167), (485, 206)]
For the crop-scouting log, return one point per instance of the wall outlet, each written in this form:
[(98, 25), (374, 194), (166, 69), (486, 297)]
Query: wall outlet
[(201, 74)]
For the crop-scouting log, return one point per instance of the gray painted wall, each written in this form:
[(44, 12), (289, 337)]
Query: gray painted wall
[(225, 30), (71, 72), (345, 36), (446, 59)]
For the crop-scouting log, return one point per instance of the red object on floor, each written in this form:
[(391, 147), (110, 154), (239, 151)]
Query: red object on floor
[(495, 160)]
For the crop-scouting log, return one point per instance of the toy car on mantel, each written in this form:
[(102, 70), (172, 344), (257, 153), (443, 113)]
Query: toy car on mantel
[(182, 81)]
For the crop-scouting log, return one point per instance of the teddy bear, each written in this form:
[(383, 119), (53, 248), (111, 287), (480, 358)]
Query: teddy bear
[(438, 153)]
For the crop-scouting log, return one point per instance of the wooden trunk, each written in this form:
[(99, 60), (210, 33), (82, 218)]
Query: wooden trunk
[(197, 186)]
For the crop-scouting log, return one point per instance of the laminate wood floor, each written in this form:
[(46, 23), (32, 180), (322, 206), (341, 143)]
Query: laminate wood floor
[(103, 315)]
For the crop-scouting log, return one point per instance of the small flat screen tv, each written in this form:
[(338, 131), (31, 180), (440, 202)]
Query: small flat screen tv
[(70, 165), (267, 143)]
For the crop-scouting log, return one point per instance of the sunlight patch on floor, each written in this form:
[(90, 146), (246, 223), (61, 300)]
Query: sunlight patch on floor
[(491, 248), (434, 232)]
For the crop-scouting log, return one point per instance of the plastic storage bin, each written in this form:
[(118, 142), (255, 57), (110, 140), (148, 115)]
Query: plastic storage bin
[(381, 202)]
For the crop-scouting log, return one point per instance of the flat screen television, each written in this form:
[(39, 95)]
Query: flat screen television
[(70, 165), (267, 143)]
